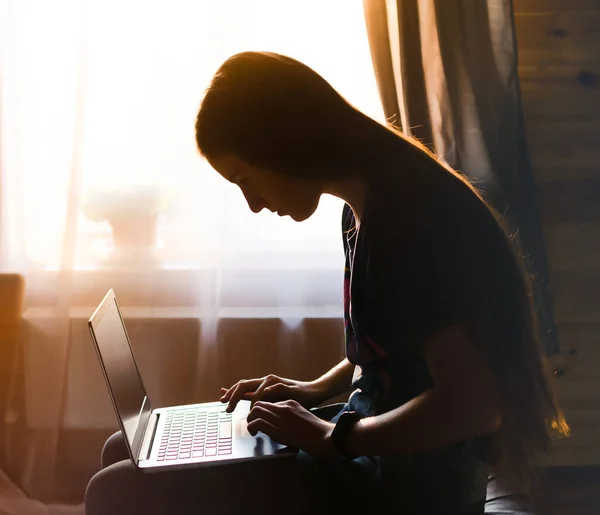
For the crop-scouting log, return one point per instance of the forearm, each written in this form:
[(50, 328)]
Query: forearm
[(335, 382), (432, 420)]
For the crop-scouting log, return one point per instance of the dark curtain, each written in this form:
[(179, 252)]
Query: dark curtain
[(447, 75)]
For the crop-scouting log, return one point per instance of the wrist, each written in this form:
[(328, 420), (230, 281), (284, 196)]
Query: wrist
[(343, 435), (328, 446), (355, 442)]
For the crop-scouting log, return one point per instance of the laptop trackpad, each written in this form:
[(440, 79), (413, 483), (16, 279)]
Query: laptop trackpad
[(264, 444)]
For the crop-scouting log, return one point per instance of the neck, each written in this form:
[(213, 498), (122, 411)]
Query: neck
[(352, 191)]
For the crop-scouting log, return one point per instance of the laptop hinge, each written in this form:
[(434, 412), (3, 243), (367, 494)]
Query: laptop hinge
[(146, 446)]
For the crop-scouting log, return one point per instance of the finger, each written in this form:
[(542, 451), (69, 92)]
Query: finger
[(224, 398), (241, 389), (236, 395), (278, 407), (229, 391), (263, 411), (226, 392), (269, 391), (267, 428), (234, 398)]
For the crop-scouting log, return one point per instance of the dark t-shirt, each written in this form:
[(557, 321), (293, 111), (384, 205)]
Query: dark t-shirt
[(394, 297), (412, 268), (415, 265)]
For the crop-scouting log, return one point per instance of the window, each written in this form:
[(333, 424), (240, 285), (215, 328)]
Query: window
[(102, 95)]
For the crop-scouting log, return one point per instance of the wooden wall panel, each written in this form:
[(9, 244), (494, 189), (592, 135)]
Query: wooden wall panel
[(570, 200), (537, 6), (560, 93), (558, 38), (559, 70), (562, 147), (577, 297), (573, 246)]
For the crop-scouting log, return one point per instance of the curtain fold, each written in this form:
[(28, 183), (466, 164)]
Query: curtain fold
[(447, 73)]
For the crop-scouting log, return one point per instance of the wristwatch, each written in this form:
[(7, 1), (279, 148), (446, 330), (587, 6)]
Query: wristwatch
[(342, 429)]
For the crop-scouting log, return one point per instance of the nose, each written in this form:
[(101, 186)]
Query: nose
[(255, 203), (257, 208)]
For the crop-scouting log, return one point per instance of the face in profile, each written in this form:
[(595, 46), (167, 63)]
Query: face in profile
[(266, 189)]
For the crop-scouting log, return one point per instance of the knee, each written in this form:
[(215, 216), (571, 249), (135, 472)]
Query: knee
[(111, 491), (114, 450), (100, 494)]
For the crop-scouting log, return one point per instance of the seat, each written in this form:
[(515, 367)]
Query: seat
[(502, 501)]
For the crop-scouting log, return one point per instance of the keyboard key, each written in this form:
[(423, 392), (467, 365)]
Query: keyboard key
[(174, 457), (160, 458), (225, 430), (211, 451), (185, 455), (198, 454), (225, 451)]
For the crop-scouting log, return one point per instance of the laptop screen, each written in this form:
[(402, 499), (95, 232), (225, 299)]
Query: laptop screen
[(127, 390)]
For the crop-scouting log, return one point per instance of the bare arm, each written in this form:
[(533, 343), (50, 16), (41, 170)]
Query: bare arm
[(463, 403), (336, 381), (274, 388)]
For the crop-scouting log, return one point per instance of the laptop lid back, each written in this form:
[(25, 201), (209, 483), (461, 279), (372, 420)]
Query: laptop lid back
[(127, 391)]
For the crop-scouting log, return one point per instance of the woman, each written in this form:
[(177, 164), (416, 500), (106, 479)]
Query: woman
[(442, 356)]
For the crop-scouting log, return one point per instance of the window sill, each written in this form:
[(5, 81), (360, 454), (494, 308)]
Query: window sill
[(263, 292), (178, 313)]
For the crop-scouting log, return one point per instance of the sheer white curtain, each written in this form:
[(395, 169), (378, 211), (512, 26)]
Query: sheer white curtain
[(102, 185)]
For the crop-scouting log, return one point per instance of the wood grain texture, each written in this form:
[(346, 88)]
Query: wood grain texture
[(576, 296), (561, 37), (538, 6), (570, 201), (559, 94), (573, 245), (581, 336), (563, 147)]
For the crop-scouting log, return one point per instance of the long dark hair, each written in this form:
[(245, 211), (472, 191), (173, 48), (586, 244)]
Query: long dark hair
[(275, 112)]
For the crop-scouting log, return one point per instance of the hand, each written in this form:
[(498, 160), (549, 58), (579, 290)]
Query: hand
[(273, 388), (288, 423)]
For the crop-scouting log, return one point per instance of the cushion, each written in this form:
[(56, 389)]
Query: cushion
[(502, 501)]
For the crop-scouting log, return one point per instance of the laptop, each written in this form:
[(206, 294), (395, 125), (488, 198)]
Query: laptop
[(172, 437)]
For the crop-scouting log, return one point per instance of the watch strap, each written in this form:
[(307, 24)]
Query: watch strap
[(342, 429)]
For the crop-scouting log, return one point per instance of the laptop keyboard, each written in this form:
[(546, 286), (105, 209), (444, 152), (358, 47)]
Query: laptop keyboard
[(195, 433)]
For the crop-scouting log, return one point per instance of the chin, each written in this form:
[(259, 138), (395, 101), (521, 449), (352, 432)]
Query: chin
[(300, 217)]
